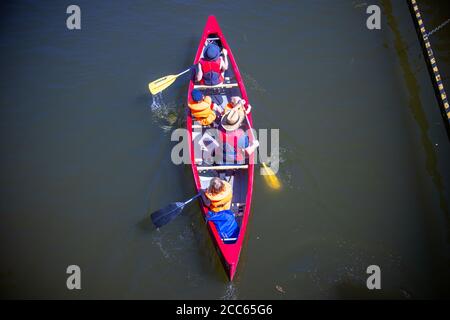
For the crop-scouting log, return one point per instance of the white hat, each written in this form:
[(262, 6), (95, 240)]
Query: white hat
[(233, 119)]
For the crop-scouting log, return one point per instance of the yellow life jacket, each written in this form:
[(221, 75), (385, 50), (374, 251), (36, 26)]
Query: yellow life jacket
[(202, 111), (220, 201)]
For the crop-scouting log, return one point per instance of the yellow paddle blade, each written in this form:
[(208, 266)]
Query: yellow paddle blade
[(271, 178), (162, 83)]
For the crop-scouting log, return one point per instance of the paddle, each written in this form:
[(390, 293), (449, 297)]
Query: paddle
[(270, 177), (165, 215), (162, 83)]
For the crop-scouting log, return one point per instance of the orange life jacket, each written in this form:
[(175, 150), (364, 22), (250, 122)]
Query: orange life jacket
[(222, 200), (202, 111)]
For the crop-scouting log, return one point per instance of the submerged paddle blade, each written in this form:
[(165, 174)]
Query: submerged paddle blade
[(162, 83), (271, 178), (167, 214)]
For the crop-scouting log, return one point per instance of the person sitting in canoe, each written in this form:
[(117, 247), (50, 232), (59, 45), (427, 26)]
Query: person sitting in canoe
[(211, 68), (218, 198), (237, 102), (202, 108), (236, 140), (218, 195)]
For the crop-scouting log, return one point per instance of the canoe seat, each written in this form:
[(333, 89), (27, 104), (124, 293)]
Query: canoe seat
[(223, 167), (229, 240), (197, 126), (233, 237), (221, 85)]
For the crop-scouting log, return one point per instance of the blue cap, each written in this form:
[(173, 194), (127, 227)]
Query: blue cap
[(212, 52), (197, 95)]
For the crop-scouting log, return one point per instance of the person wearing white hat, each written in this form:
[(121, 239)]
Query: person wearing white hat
[(235, 114), (236, 101)]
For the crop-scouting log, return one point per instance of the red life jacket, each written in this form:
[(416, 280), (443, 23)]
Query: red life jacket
[(211, 66)]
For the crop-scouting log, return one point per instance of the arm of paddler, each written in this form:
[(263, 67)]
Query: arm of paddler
[(199, 74), (250, 149), (249, 108), (207, 99), (205, 199), (215, 107), (224, 65)]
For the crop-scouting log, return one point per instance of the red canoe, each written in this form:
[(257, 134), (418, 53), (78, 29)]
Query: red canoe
[(240, 176)]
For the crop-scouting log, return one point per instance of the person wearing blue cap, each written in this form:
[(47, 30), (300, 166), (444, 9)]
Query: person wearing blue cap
[(202, 108), (212, 66)]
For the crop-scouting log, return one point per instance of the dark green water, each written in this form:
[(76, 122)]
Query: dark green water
[(84, 159)]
